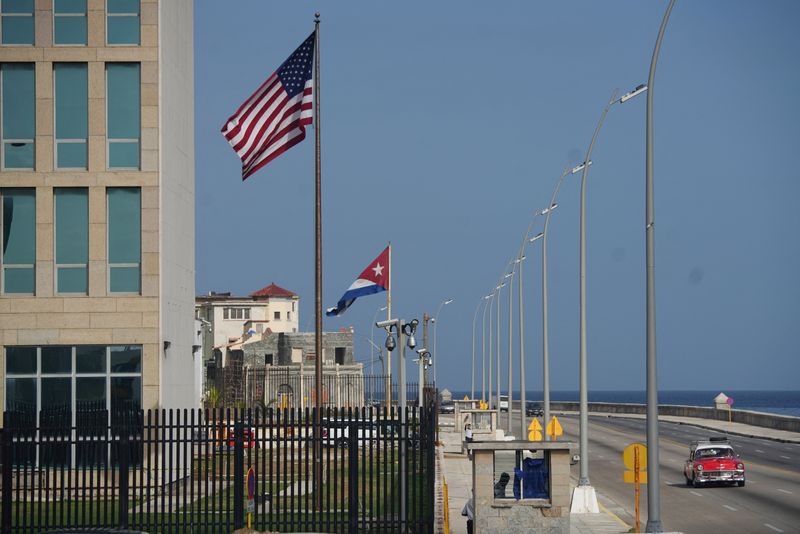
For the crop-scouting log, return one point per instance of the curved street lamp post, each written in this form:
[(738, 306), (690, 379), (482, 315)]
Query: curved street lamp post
[(586, 500), (653, 489)]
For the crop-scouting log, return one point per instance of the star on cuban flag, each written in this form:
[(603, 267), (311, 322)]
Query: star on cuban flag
[(373, 279)]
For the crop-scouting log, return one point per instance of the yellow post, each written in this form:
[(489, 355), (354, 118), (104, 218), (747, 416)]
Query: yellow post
[(446, 510), (636, 483)]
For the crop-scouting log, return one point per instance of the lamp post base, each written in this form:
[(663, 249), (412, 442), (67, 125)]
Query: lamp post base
[(584, 501)]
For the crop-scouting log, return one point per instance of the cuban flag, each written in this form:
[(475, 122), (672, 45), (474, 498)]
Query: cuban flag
[(374, 279)]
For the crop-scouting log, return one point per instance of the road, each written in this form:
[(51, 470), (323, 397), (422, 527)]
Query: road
[(769, 502)]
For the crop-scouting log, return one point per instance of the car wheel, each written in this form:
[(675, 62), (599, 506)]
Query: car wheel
[(695, 483), (688, 480), (740, 483)]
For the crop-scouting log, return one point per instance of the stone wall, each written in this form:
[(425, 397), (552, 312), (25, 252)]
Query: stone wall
[(280, 345), (766, 420)]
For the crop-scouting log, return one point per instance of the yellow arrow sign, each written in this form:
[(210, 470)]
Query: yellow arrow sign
[(629, 459), (466, 397), (535, 435), (535, 425), (554, 427), (628, 455)]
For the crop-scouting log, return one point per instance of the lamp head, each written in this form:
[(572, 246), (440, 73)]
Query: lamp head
[(536, 237), (641, 88), (580, 167)]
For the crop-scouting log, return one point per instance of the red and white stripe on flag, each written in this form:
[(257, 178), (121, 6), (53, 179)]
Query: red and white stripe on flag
[(274, 118)]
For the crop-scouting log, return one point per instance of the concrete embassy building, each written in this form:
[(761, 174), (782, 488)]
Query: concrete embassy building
[(96, 205)]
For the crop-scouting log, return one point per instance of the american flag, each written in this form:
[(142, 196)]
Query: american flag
[(274, 118)]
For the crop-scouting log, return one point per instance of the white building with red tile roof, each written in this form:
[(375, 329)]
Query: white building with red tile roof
[(228, 318)]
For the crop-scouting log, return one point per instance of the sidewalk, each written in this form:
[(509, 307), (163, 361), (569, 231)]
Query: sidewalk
[(456, 471)]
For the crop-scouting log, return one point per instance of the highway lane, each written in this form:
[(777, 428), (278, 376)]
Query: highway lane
[(770, 501)]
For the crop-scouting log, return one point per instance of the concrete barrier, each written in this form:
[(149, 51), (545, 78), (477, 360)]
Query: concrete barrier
[(766, 420)]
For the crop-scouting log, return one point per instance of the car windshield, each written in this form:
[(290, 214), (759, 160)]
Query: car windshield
[(715, 453)]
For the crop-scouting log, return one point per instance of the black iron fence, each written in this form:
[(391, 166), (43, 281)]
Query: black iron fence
[(213, 471)]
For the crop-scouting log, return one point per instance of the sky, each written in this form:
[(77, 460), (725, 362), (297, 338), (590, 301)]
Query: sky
[(445, 126)]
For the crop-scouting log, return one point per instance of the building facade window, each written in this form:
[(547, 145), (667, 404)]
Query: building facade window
[(16, 22), (18, 125), (288, 316), (69, 22), (17, 241), (71, 115), (65, 387), (122, 22), (277, 315), (72, 239), (124, 239), (123, 115), (236, 313)]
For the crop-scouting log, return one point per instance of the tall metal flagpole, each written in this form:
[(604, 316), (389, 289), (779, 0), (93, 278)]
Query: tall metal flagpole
[(388, 352), (318, 278), (653, 479)]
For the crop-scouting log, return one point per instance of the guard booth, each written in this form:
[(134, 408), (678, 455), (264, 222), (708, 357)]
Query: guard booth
[(521, 486), (484, 424), (459, 405)]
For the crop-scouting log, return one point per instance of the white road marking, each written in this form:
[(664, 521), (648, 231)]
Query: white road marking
[(759, 450), (696, 494), (785, 457), (731, 508), (785, 491), (776, 529)]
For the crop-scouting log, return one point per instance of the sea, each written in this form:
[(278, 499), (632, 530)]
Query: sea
[(777, 402)]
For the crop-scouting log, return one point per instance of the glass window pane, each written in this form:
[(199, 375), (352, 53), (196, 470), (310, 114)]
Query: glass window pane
[(90, 390), (90, 359), (125, 280), (123, 6), (126, 359), (72, 100), (124, 225), (19, 97), (17, 6), (20, 360), (19, 280), (56, 360), (17, 30), (123, 155), (18, 226), (18, 155), (71, 156), (126, 394), (72, 280), (70, 6), (72, 225), (122, 94), (21, 395), (123, 30), (70, 30), (57, 397)]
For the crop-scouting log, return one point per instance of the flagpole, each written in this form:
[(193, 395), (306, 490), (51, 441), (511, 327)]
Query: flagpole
[(388, 352), (318, 277)]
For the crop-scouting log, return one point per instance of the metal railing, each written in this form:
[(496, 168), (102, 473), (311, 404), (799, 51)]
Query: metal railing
[(189, 471)]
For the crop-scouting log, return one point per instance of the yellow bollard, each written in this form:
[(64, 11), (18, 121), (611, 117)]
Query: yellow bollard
[(446, 511)]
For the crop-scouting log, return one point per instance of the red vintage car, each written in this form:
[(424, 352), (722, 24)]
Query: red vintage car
[(713, 461)]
